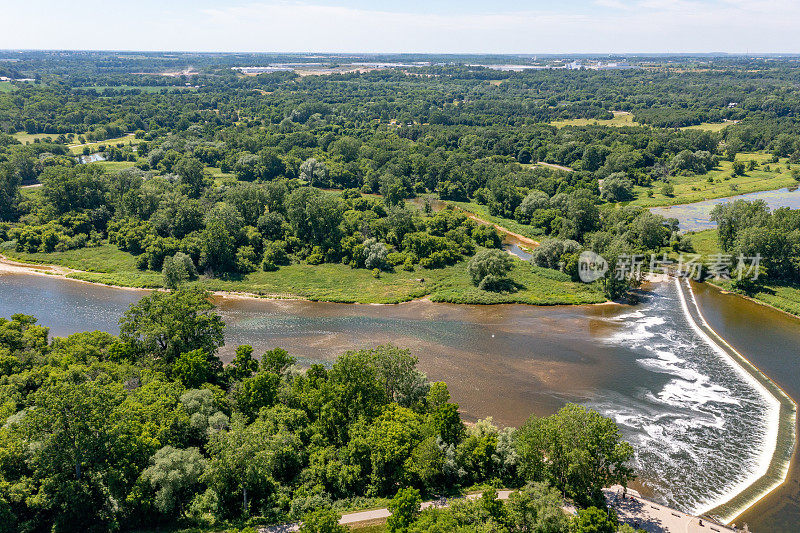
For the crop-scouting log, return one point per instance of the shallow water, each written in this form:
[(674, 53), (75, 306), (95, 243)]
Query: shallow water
[(695, 217), (695, 423)]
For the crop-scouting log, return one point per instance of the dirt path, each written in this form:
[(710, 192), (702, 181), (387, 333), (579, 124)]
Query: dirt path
[(557, 167), (521, 238)]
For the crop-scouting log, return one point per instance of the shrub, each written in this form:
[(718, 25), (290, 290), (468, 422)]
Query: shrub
[(489, 268)]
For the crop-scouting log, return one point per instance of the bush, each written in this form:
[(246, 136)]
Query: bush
[(617, 188), (178, 270), (322, 521), (489, 268)]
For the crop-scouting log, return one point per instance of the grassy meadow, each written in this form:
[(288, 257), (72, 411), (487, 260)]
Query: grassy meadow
[(709, 126), (719, 183), (621, 119), (331, 282), (77, 149), (26, 138)]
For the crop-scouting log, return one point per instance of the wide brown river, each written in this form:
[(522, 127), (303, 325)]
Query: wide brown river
[(697, 426)]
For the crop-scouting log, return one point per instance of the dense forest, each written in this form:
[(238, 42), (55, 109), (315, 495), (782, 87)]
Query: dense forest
[(218, 174)]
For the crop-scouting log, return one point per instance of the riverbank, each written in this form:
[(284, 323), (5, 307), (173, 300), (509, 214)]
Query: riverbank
[(507, 361), (773, 465), (720, 182), (106, 265)]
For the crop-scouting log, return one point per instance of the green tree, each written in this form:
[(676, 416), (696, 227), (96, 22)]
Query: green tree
[(322, 521), (313, 171), (489, 268), (314, 216), (617, 188), (577, 450), (405, 508), (243, 365), (392, 437), (174, 474), (594, 520), (537, 508), (9, 194), (240, 467), (162, 326), (253, 393), (195, 368), (192, 174), (276, 361), (177, 270), (70, 432)]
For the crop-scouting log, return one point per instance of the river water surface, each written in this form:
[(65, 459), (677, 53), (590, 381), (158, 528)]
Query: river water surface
[(697, 426), (696, 216)]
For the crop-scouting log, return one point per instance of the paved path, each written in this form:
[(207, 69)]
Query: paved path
[(654, 518), (381, 514)]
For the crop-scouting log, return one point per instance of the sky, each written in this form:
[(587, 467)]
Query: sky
[(435, 26)]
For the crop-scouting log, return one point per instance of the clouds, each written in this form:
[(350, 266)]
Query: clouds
[(598, 26)]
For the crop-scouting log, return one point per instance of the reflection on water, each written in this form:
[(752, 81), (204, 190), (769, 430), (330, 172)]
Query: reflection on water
[(770, 339), (694, 422), (695, 217)]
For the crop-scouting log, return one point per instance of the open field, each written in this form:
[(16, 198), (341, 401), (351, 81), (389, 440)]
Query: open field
[(331, 282), (621, 118), (710, 126), (77, 149), (689, 189), (26, 138), (705, 242), (6, 87), (114, 166)]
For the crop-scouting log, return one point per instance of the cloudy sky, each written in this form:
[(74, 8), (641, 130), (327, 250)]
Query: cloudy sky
[(468, 26)]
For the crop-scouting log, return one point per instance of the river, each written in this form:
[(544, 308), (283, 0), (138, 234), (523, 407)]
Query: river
[(695, 217), (697, 426)]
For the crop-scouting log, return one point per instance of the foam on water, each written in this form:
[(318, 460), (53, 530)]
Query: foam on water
[(698, 433)]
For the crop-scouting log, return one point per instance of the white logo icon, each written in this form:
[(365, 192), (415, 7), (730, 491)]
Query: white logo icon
[(591, 266)]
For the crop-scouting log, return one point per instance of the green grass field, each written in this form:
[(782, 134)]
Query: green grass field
[(114, 166), (709, 126), (77, 149), (6, 87), (620, 119), (25, 138), (690, 189), (333, 282), (705, 242), (220, 177)]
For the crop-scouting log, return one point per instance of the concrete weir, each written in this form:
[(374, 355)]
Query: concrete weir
[(773, 466)]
